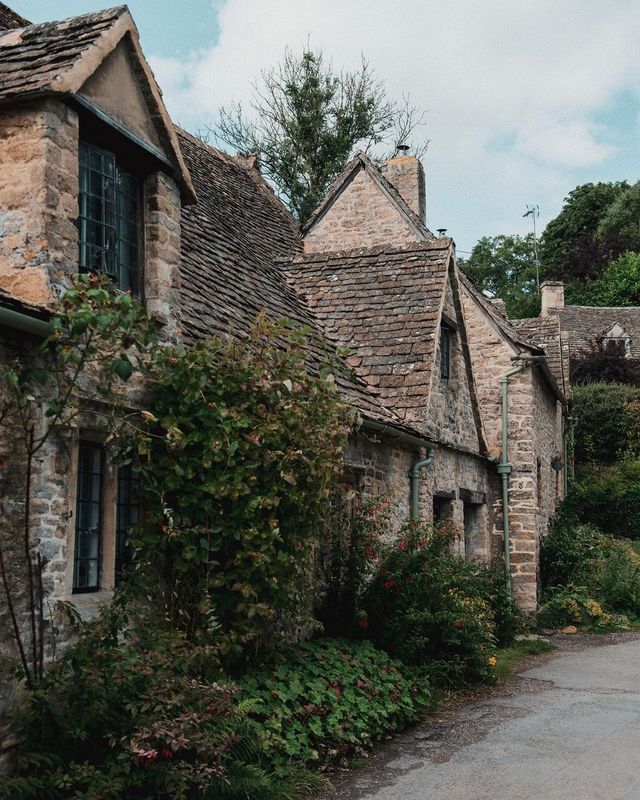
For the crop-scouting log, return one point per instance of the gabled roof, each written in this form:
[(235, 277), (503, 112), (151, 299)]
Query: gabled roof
[(504, 325), (57, 58), (11, 19), (358, 162), (586, 324), (230, 240), (384, 304), (545, 332)]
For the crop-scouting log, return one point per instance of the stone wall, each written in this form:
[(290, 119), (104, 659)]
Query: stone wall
[(535, 439), (38, 200), (361, 216), (381, 466)]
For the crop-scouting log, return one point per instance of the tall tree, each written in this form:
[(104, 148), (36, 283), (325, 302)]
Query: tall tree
[(572, 247), (505, 267), (619, 228), (305, 121)]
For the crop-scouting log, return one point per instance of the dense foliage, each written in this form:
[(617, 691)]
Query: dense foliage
[(428, 607), (139, 716), (328, 699), (243, 453), (588, 576), (618, 284), (306, 120), (606, 421), (347, 560), (572, 248), (505, 267), (608, 497), (604, 361)]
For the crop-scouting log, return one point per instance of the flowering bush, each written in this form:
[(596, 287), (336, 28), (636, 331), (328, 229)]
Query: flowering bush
[(347, 560), (436, 610), (324, 700), (139, 717)]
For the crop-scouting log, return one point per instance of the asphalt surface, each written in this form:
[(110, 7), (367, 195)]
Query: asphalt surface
[(567, 727)]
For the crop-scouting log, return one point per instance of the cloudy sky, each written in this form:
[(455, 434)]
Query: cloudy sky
[(525, 100)]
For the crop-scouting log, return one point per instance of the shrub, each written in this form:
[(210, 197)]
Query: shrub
[(138, 718), (605, 421), (430, 608), (573, 606), (347, 560), (330, 698), (574, 555), (569, 553), (608, 497), (243, 453)]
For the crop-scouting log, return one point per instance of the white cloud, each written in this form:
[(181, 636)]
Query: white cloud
[(535, 76)]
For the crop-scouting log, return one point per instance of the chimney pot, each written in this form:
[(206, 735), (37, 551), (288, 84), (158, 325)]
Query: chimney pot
[(552, 296)]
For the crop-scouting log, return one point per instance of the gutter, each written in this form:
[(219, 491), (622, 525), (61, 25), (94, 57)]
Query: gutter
[(397, 433), (24, 322)]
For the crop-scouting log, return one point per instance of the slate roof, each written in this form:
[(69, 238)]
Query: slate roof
[(33, 60), (230, 240), (584, 324), (384, 305), (545, 332), (11, 19), (362, 161)]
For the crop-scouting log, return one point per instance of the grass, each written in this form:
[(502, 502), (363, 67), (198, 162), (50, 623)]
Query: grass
[(509, 658)]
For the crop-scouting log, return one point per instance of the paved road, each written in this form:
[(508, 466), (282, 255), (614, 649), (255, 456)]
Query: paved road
[(567, 728)]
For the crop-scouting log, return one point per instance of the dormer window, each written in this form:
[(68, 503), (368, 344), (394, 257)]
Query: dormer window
[(108, 218), (445, 351)]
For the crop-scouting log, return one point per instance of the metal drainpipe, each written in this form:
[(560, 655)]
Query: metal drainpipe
[(414, 475), (23, 322), (504, 467)]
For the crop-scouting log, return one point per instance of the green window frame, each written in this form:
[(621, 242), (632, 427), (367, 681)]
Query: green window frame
[(89, 513), (108, 215), (127, 515)]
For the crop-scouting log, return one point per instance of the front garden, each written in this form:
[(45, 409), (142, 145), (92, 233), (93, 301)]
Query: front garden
[(262, 634)]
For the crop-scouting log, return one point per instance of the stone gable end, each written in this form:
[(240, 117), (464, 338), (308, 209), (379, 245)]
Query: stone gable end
[(360, 216), (451, 404), (115, 89)]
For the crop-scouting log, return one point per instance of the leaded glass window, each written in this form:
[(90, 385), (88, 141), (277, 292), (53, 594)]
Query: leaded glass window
[(86, 568), (445, 351), (108, 218), (127, 514)]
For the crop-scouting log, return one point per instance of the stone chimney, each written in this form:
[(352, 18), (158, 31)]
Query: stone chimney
[(406, 174), (552, 295), (499, 305)]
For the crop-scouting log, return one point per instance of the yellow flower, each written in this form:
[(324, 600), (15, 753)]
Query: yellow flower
[(492, 661)]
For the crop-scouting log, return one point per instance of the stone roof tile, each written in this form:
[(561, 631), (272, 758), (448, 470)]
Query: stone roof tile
[(585, 324), (400, 312), (35, 58), (231, 239)]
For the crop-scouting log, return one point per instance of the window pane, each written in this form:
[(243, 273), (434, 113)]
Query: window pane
[(127, 515), (88, 518)]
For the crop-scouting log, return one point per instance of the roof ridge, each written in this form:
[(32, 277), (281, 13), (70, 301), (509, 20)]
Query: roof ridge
[(10, 19), (427, 245), (104, 13)]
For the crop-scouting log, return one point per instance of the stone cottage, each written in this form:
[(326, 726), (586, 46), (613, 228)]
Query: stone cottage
[(462, 415)]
